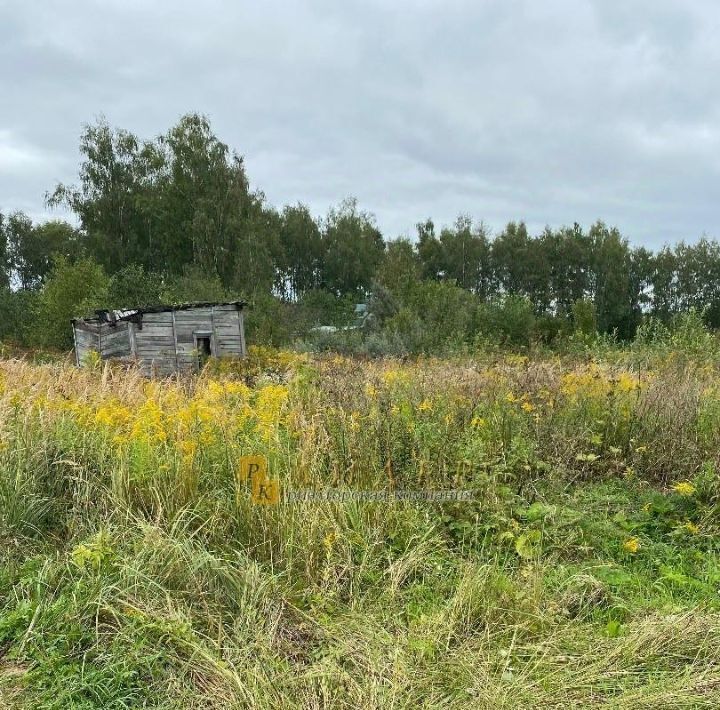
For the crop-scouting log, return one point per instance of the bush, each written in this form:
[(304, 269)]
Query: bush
[(584, 317), (72, 290), (435, 317), (133, 287), (18, 315), (269, 321), (509, 321), (195, 285), (319, 307)]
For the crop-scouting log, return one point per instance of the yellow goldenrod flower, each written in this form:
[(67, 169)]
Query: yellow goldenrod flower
[(425, 405), (631, 545), (684, 488), (329, 541), (527, 407), (691, 527)]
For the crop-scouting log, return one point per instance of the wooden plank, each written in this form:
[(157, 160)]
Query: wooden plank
[(175, 342), (156, 330), (155, 318), (225, 316), (155, 344), (190, 328), (203, 312), (86, 339), (131, 337), (241, 328)]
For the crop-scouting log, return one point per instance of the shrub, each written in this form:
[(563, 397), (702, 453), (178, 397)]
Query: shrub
[(509, 320), (71, 290)]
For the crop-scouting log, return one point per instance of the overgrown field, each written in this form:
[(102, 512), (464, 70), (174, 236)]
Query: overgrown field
[(136, 572)]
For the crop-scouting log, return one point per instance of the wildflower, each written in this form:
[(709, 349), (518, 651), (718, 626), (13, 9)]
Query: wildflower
[(691, 527), (392, 376), (631, 545), (627, 383), (477, 422), (510, 397), (684, 488), (329, 541), (269, 403), (527, 407), (425, 405)]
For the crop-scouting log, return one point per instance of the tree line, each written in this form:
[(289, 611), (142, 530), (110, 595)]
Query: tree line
[(175, 218)]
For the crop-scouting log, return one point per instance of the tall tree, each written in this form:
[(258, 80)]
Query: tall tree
[(430, 251), (32, 249), (664, 284), (568, 252), (352, 249), (116, 175), (512, 259), (4, 254), (611, 281), (203, 200), (465, 255), (300, 256)]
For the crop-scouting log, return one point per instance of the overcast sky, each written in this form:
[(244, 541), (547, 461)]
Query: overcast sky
[(551, 112)]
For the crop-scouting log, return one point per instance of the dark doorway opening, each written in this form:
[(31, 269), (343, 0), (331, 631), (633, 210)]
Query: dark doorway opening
[(203, 350)]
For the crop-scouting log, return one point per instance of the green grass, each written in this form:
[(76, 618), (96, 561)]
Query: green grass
[(395, 614), (117, 593)]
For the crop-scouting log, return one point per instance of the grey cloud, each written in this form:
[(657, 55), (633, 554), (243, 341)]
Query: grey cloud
[(550, 112)]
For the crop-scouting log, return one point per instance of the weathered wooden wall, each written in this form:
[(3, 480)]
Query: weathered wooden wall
[(224, 322), (115, 340), (166, 341), (155, 344), (86, 340)]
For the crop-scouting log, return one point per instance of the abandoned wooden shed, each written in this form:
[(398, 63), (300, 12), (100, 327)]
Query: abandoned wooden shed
[(163, 340)]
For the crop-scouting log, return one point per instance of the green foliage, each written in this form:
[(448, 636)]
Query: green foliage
[(18, 312), (175, 218), (300, 257), (71, 290), (194, 285), (434, 316), (584, 317), (133, 287), (508, 320), (319, 307), (352, 249), (270, 321)]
